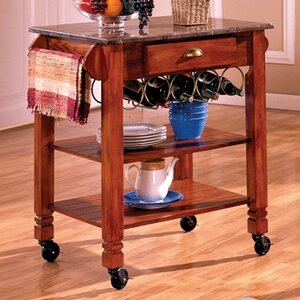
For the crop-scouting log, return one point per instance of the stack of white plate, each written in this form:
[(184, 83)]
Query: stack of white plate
[(140, 135)]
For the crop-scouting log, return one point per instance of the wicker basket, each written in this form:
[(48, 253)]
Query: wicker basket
[(190, 12)]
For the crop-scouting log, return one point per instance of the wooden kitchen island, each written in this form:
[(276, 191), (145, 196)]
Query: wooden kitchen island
[(160, 50)]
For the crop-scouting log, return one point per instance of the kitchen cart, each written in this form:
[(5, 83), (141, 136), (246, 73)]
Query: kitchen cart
[(163, 48)]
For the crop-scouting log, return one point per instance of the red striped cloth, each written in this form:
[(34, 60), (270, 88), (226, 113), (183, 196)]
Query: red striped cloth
[(58, 85)]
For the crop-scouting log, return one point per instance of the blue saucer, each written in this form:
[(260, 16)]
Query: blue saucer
[(132, 200)]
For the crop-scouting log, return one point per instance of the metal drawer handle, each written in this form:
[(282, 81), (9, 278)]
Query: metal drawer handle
[(193, 52)]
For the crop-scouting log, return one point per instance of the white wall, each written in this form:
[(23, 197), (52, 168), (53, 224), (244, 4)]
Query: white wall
[(15, 17)]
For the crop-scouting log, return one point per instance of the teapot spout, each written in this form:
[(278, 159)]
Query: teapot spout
[(170, 171)]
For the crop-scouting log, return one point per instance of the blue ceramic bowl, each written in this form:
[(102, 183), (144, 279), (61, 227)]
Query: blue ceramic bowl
[(188, 120), (193, 115), (188, 117), (188, 107)]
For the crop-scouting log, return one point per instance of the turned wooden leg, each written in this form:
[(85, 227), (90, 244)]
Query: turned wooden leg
[(112, 157), (256, 131), (43, 177)]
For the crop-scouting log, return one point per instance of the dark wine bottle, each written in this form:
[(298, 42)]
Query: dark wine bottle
[(133, 90), (216, 83), (228, 88), (154, 92), (205, 92), (157, 91), (179, 95), (182, 88)]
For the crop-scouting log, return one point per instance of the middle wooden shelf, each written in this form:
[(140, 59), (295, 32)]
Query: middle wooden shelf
[(87, 147)]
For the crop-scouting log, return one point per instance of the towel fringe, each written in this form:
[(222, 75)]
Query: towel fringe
[(56, 113), (60, 90)]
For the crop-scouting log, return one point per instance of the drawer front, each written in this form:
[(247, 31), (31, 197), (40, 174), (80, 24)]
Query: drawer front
[(191, 55)]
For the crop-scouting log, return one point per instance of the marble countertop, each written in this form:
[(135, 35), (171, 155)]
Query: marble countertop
[(160, 28)]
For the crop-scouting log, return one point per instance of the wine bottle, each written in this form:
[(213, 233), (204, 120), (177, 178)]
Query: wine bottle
[(182, 88), (157, 91), (206, 92), (228, 88), (133, 90), (183, 97), (218, 84)]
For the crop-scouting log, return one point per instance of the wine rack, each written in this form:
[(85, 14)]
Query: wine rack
[(142, 89)]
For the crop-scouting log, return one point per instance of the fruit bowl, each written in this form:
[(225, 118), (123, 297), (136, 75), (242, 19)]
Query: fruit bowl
[(111, 14)]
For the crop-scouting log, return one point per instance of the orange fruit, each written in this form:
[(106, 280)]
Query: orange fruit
[(113, 9)]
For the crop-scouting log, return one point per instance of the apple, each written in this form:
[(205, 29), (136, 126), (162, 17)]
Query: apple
[(85, 5)]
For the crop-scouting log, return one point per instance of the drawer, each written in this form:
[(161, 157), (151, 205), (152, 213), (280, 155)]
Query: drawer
[(191, 55)]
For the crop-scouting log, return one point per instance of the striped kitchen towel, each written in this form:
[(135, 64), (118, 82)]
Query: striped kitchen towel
[(58, 85)]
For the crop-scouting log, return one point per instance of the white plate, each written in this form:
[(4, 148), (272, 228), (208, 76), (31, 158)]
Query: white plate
[(134, 129), (144, 143), (142, 129), (141, 138), (145, 137), (145, 140), (139, 131), (140, 135)]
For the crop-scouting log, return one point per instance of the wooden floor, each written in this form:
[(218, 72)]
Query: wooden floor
[(215, 261)]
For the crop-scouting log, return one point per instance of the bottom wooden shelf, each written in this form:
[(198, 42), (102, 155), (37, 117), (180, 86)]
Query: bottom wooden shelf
[(198, 198)]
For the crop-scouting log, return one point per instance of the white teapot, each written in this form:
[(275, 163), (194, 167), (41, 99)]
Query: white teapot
[(152, 181)]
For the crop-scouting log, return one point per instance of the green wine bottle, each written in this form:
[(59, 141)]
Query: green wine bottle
[(182, 87), (133, 91), (218, 84), (157, 91)]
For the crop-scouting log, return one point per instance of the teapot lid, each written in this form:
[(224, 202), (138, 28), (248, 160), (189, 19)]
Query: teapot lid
[(153, 164)]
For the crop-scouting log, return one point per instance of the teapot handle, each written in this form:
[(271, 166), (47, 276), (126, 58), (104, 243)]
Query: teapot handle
[(126, 175)]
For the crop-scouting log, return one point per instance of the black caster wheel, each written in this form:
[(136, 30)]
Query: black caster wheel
[(262, 244), (119, 278), (188, 223), (50, 250)]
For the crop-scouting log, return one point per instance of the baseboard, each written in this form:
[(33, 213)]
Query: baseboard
[(26, 123), (276, 101), (281, 101)]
